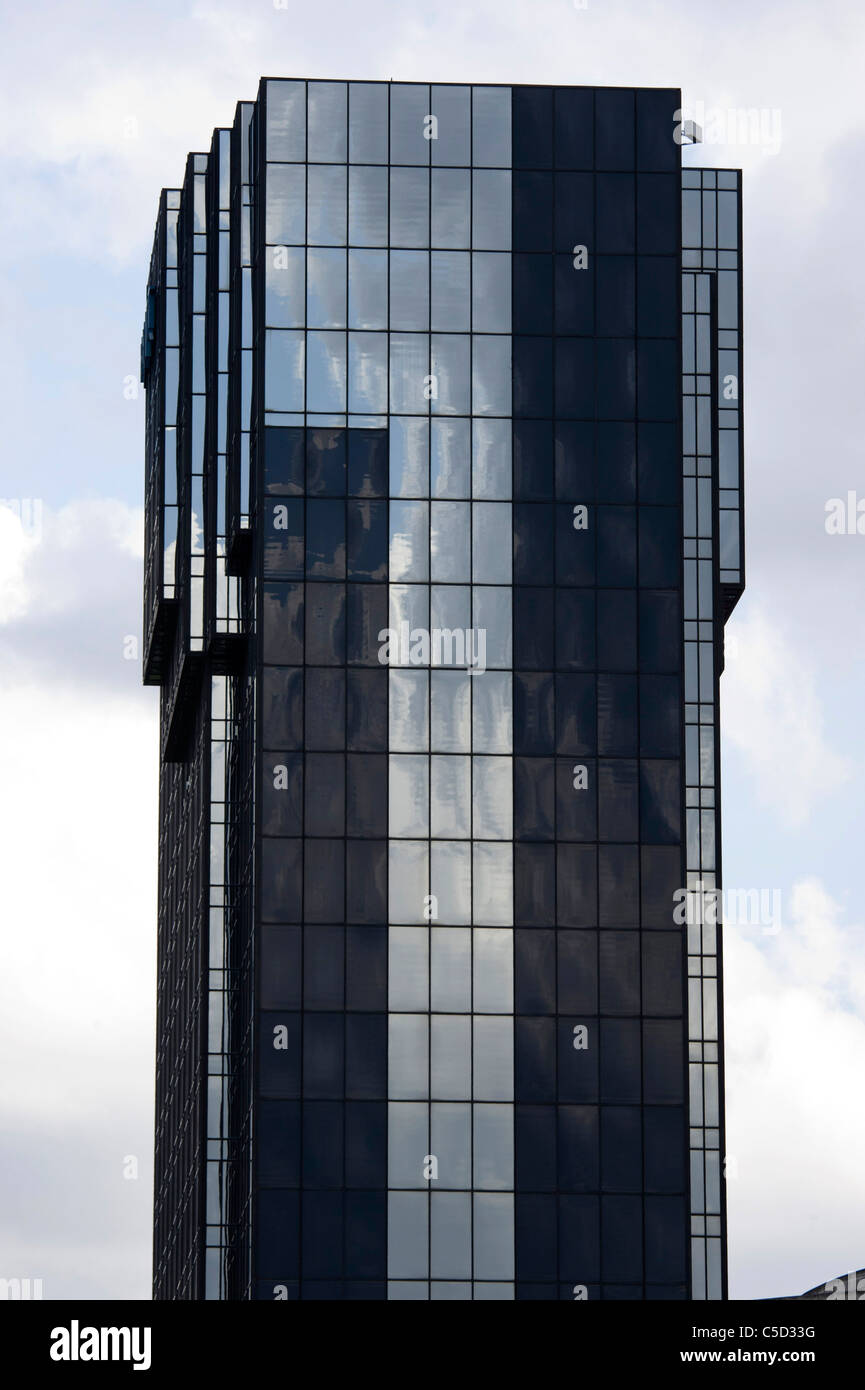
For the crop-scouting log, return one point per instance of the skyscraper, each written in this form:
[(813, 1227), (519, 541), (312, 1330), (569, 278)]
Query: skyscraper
[(443, 523)]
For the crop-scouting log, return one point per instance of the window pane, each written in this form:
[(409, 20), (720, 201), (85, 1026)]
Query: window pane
[(451, 705), (450, 458), (326, 205), (450, 881), (409, 457), (327, 122), (367, 114), (451, 801), (450, 1057), (325, 288), (452, 108), (367, 206), (409, 290), (409, 207), (408, 717), (408, 876), (450, 291), (451, 207), (450, 970), (449, 542)]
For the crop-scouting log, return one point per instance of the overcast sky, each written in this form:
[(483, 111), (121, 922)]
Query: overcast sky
[(101, 103)]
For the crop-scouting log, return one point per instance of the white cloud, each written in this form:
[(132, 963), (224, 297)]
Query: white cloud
[(771, 714), (795, 1039), (78, 820)]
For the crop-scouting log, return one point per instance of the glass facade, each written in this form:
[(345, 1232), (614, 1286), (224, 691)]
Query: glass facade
[(436, 580)]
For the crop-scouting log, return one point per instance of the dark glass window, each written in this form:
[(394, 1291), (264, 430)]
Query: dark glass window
[(620, 1061), (532, 376), (535, 1059), (325, 794), (283, 460), (665, 1148), (660, 800), (660, 714), (663, 1062), (660, 547), (575, 629), (619, 972), (535, 1148), (326, 462), (534, 971), (533, 460), (658, 395), (615, 214), (366, 617), (367, 540), (280, 881), (366, 724), (575, 462), (279, 1066), (533, 543), (325, 624), (618, 886), (365, 1144), (282, 794), (280, 975), (622, 1251), (278, 1143), (366, 881), (578, 1067), (532, 304), (536, 1238), (659, 464), (575, 549), (575, 714), (662, 973), (616, 380), (367, 463), (615, 296), (325, 708), (283, 538), (574, 128), (614, 128), (282, 624), (660, 877), (658, 214), (325, 539), (575, 378), (617, 469), (532, 211), (534, 799), (658, 296), (366, 795), (533, 712), (576, 807), (532, 119), (533, 628), (322, 1144), (656, 148), (323, 880), (366, 969), (277, 1235), (576, 881), (324, 967), (617, 630), (617, 546), (578, 1153), (366, 1056), (621, 1138), (577, 966), (323, 1056), (617, 800)]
